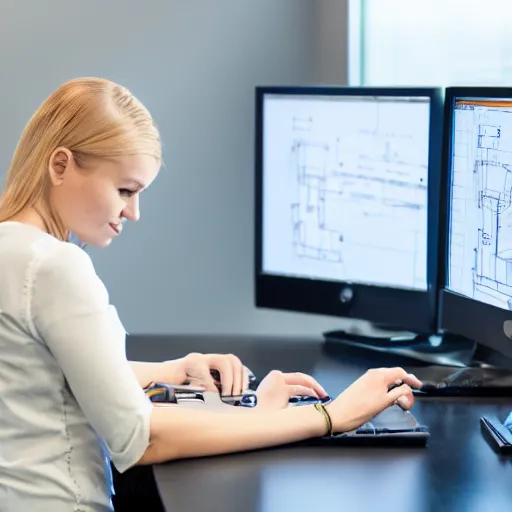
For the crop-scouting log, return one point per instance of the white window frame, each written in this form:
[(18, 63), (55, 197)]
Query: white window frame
[(355, 42), (496, 75)]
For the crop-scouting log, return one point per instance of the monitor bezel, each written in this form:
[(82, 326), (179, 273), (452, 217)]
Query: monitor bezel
[(458, 314), (393, 308)]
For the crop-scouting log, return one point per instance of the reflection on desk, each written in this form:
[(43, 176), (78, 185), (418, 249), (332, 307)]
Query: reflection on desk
[(457, 472)]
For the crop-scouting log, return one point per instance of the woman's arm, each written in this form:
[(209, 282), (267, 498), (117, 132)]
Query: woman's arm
[(178, 433)]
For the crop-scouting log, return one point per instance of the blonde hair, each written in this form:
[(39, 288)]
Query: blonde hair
[(93, 118)]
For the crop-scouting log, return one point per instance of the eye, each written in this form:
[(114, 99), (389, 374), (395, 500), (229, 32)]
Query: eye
[(126, 192)]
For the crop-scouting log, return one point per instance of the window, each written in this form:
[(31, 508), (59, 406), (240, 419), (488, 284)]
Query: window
[(430, 42)]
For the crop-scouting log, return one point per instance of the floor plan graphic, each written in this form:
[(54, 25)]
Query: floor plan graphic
[(356, 182), (481, 228)]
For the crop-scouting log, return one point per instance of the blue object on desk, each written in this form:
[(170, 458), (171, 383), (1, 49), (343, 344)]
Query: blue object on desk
[(246, 400), (498, 434)]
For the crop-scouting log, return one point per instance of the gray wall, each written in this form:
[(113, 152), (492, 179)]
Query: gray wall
[(187, 266)]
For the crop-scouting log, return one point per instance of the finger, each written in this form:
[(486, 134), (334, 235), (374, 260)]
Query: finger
[(395, 376), (409, 379), (302, 379), (243, 380), (298, 390), (202, 384), (223, 364), (413, 381), (402, 396), (202, 376), (405, 402), (203, 379), (237, 369)]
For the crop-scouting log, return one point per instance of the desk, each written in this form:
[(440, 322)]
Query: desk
[(457, 472)]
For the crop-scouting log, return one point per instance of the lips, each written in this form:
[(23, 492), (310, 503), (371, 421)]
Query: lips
[(116, 227)]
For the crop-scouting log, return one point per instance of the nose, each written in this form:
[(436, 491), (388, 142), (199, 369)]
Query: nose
[(132, 211)]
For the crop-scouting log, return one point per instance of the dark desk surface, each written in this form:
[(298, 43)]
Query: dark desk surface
[(457, 472)]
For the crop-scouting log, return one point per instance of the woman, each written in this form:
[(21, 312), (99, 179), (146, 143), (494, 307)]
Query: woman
[(69, 399)]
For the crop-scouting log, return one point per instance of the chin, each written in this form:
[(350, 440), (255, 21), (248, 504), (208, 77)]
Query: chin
[(101, 244), (97, 242)]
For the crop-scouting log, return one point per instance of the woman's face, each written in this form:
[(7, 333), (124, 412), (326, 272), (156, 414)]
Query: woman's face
[(93, 201)]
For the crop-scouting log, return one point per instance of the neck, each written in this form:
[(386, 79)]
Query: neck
[(33, 217), (40, 217)]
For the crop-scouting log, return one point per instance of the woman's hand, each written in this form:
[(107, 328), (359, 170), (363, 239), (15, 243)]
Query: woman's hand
[(370, 395), (277, 387), (196, 369)]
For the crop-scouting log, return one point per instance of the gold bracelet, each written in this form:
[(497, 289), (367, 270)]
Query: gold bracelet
[(322, 410)]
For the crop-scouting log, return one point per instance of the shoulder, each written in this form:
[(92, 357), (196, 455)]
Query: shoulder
[(63, 258), (52, 269), (62, 284), (27, 250), (64, 267)]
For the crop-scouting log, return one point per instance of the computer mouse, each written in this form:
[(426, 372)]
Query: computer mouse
[(246, 400), (428, 388)]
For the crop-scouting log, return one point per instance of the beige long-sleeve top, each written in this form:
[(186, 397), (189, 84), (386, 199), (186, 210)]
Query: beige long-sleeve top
[(69, 400)]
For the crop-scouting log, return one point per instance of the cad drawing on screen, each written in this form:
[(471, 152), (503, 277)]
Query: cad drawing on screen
[(358, 194), (481, 225)]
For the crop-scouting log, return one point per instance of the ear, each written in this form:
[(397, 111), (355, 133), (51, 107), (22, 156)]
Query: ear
[(60, 161)]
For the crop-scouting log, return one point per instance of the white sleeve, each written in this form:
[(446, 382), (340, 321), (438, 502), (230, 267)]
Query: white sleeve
[(70, 312)]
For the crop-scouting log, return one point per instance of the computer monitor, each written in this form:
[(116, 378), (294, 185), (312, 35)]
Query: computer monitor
[(347, 202), (476, 217)]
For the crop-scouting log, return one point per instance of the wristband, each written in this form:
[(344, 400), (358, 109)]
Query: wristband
[(323, 411)]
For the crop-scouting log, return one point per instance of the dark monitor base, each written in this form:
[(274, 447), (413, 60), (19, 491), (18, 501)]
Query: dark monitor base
[(442, 349), (448, 366)]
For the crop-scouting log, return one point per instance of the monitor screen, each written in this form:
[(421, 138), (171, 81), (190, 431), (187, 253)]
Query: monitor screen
[(345, 188), (347, 202), (480, 217)]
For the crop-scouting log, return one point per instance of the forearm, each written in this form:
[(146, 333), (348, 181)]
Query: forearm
[(147, 373), (178, 433)]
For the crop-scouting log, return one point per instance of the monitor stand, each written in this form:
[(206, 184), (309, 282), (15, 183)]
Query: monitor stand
[(450, 364), (438, 349)]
